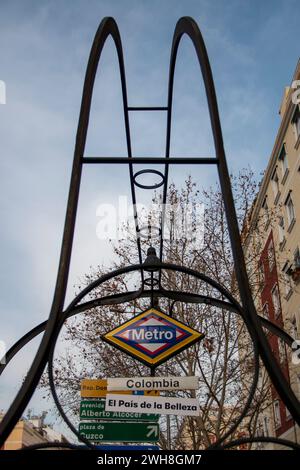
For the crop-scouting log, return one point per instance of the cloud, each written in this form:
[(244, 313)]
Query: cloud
[(44, 52)]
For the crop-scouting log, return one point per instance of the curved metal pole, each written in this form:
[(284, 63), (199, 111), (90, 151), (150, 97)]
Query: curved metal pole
[(31, 334), (186, 297), (55, 445), (105, 277), (233, 427), (121, 298), (187, 25), (107, 27), (110, 300), (75, 308)]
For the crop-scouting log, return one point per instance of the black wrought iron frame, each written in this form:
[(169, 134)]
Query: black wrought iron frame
[(52, 326)]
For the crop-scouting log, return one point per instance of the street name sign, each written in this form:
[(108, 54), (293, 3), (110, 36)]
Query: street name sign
[(153, 383), (119, 432), (97, 388), (157, 405), (95, 409), (152, 337)]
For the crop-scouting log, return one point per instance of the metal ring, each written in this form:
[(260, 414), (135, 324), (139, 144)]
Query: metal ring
[(151, 186), (103, 278), (148, 281), (151, 227)]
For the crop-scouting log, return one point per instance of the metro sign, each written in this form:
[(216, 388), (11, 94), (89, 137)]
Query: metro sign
[(152, 337)]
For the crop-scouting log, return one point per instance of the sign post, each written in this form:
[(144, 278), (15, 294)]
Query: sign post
[(99, 425), (131, 407)]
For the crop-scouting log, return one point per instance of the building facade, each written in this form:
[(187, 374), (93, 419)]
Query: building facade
[(272, 231), (29, 432)]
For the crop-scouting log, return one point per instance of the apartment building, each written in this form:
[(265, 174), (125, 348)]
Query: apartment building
[(31, 431), (272, 230)]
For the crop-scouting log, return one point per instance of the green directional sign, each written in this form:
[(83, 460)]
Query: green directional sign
[(119, 432), (95, 409)]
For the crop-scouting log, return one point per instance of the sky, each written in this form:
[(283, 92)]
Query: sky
[(253, 48)]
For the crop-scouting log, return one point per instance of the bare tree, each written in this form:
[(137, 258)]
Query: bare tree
[(223, 360)]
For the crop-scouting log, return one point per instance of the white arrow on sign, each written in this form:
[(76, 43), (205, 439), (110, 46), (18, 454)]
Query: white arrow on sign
[(153, 429)]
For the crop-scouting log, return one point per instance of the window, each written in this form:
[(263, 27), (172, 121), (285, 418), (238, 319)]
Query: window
[(297, 258), (298, 377), (271, 256), (257, 236), (288, 414), (284, 164), (287, 279), (277, 418), (290, 211), (297, 125), (266, 214), (282, 352), (266, 426), (259, 429), (276, 300), (294, 329), (296, 122), (275, 186), (281, 231), (261, 275), (265, 310)]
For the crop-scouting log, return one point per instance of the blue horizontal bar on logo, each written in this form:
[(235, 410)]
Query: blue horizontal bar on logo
[(150, 334)]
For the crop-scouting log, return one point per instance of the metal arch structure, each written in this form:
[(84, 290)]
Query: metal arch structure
[(76, 307), (82, 307), (57, 316)]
